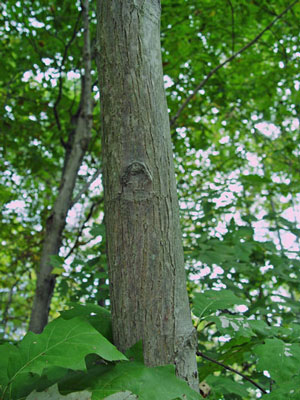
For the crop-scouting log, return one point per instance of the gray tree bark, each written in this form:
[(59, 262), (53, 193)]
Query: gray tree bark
[(76, 148), (145, 256)]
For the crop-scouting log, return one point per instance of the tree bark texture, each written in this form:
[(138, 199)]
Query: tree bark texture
[(75, 150), (144, 247)]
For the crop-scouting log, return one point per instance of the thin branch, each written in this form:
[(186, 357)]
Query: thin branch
[(95, 83), (232, 26), (60, 81), (83, 225), (85, 188), (232, 370), (85, 107), (213, 71), (87, 62), (79, 233)]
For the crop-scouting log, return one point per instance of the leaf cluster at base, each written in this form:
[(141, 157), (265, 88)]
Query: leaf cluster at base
[(72, 355)]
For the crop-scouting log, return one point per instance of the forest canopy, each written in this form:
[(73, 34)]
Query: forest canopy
[(231, 74)]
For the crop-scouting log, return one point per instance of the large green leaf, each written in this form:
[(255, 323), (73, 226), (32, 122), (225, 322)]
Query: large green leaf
[(280, 359), (6, 351), (147, 383), (287, 390), (259, 327), (63, 343), (104, 380)]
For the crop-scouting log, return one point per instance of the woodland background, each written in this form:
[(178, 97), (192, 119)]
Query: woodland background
[(235, 132)]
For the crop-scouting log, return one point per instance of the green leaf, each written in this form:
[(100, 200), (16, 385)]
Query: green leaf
[(287, 390), (97, 316), (147, 383), (136, 352), (94, 261), (212, 300), (6, 194), (280, 359), (63, 343), (226, 385), (259, 327), (6, 352), (254, 179), (211, 257), (56, 261), (98, 230), (233, 325), (58, 270)]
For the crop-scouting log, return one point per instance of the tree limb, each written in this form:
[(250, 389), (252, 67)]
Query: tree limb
[(213, 71), (200, 354)]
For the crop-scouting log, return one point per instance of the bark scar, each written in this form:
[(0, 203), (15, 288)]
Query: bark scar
[(136, 172), (136, 181)]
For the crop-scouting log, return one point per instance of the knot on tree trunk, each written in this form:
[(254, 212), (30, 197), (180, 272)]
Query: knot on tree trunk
[(136, 181)]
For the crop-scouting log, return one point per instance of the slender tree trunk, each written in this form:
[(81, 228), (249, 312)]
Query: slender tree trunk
[(145, 256), (76, 148)]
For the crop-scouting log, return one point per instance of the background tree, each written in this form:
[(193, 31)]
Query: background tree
[(43, 92), (75, 149)]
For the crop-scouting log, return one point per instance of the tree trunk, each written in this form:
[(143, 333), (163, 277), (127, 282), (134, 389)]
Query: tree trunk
[(75, 150), (145, 256)]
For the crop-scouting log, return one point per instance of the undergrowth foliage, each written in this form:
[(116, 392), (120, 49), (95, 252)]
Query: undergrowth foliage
[(74, 354)]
